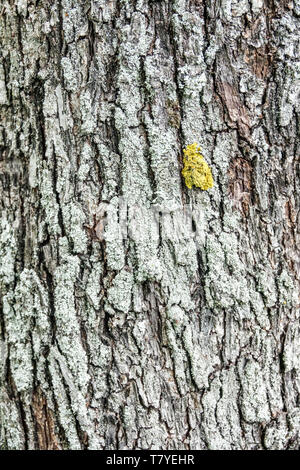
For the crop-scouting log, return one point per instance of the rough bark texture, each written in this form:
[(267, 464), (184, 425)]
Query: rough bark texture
[(147, 339)]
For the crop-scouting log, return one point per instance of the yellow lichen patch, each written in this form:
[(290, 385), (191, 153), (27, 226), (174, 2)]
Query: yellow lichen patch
[(196, 171)]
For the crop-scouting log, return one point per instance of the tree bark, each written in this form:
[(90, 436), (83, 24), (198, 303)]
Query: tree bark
[(137, 313)]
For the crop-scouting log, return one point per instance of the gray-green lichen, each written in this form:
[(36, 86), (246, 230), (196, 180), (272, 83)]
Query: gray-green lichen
[(151, 317)]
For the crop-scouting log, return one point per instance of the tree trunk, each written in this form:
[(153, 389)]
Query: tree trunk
[(137, 313)]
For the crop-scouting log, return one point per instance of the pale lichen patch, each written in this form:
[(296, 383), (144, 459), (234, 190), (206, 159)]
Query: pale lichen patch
[(119, 295)]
